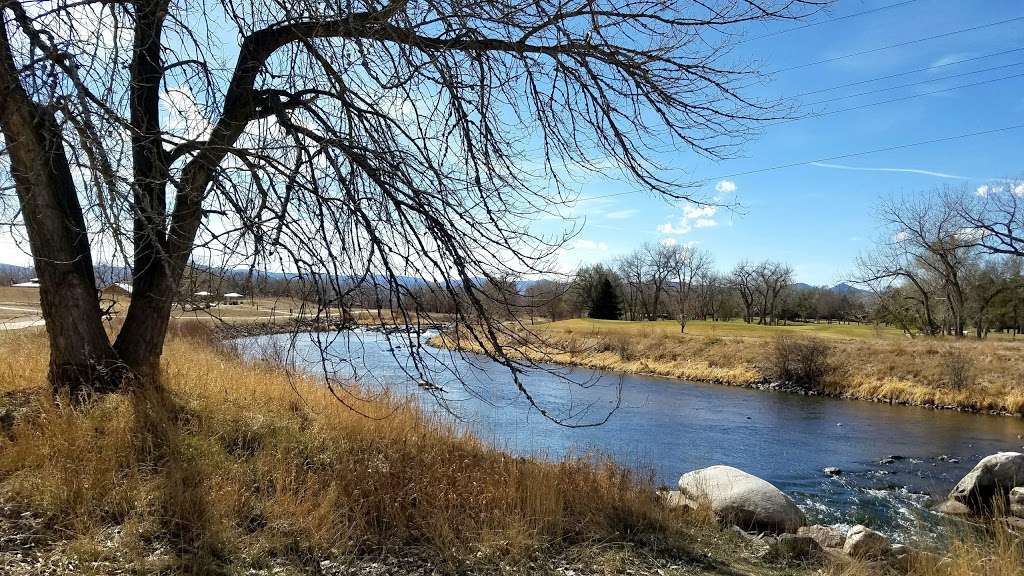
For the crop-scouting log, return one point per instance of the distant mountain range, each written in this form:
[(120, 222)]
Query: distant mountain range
[(12, 272), (841, 288), (106, 273)]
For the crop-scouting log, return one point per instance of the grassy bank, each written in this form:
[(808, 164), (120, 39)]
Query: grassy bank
[(238, 466), (864, 362)]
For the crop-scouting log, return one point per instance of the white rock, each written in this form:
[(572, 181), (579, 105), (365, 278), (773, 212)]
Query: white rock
[(1017, 502), (742, 499), (990, 482), (863, 543), (826, 536), (953, 508)]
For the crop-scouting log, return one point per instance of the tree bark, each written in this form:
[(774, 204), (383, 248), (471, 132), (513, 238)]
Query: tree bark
[(81, 357)]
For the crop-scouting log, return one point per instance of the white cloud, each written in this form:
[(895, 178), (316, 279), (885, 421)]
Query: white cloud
[(1018, 190), (694, 216), (621, 214), (725, 187), (692, 212), (683, 227), (987, 189), (584, 244), (900, 236), (668, 242), (185, 119), (970, 234)]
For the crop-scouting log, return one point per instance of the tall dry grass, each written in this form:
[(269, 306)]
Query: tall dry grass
[(240, 463)]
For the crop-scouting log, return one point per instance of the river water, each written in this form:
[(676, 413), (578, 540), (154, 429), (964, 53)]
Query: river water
[(672, 426)]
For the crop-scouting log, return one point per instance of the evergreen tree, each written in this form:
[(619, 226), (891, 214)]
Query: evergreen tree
[(606, 305)]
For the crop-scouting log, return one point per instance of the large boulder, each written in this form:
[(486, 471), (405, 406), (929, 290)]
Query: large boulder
[(988, 485), (864, 543), (742, 499)]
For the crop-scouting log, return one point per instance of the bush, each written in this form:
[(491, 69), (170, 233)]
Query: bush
[(802, 362), (959, 370)]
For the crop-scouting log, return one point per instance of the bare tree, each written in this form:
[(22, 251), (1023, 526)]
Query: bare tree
[(549, 298), (631, 269), (772, 279), (354, 142), (689, 265), (659, 267), (933, 235), (743, 279), (995, 213), (885, 271)]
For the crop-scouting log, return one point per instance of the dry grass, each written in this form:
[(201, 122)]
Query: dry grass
[(11, 295), (882, 368), (236, 466), (238, 463)]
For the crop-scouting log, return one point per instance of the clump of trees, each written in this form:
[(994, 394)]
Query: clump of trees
[(661, 281), (949, 262)]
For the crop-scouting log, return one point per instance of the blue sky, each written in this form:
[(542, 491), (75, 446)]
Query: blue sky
[(818, 218)]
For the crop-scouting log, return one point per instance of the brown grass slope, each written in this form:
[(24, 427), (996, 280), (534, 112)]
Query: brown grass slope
[(864, 364)]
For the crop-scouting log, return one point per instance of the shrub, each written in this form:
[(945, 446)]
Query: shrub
[(802, 362), (959, 370)]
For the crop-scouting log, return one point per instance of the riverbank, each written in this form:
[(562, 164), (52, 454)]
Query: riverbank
[(240, 467), (862, 364)]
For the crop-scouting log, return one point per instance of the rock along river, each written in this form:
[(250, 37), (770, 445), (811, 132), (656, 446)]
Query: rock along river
[(895, 460)]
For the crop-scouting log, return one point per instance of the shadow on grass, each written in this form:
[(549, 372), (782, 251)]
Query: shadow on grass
[(184, 513)]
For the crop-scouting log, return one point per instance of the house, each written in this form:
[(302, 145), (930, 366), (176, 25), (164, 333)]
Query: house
[(233, 298)]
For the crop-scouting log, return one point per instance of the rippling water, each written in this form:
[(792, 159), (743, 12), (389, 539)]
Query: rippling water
[(671, 427)]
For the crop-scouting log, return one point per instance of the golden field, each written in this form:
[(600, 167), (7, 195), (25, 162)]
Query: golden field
[(868, 363)]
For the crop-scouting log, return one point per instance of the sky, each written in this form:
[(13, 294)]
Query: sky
[(818, 216)]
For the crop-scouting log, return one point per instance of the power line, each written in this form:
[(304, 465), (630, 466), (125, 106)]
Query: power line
[(834, 158), (906, 73), (898, 45), (892, 100), (867, 152), (828, 21), (912, 84)]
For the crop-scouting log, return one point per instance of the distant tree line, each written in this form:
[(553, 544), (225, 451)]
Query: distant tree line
[(662, 281)]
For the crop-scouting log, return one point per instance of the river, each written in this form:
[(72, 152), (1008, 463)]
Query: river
[(672, 426)]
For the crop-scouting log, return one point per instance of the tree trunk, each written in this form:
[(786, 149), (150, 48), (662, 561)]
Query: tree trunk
[(81, 357)]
